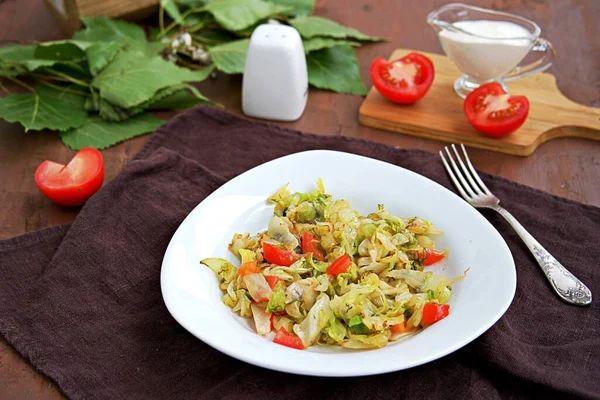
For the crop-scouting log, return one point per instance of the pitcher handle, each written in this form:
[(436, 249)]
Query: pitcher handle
[(541, 64)]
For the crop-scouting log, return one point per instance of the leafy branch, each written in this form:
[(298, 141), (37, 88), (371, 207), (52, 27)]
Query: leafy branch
[(101, 87)]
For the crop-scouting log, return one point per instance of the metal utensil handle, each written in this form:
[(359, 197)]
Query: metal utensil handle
[(566, 285)]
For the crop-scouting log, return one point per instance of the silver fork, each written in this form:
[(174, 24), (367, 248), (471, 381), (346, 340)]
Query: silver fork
[(473, 190)]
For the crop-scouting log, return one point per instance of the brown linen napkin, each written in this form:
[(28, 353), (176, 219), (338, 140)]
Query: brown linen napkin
[(83, 303)]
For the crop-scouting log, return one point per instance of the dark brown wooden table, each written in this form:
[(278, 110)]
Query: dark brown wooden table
[(564, 167)]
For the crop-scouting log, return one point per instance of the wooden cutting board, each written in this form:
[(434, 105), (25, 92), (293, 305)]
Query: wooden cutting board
[(439, 114)]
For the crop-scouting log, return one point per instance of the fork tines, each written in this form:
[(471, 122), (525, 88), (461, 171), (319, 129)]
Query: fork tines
[(469, 184)]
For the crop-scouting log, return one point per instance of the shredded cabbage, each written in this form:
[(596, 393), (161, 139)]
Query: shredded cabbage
[(382, 285), (277, 299)]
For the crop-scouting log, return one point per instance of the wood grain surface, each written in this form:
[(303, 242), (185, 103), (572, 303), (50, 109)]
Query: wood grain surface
[(564, 167), (439, 115), (114, 8)]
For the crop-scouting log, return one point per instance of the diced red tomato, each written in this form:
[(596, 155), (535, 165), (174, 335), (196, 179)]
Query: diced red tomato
[(492, 111), (405, 80), (310, 245), (286, 339), (340, 265), (272, 280), (433, 313), (433, 256), (278, 255), (247, 268)]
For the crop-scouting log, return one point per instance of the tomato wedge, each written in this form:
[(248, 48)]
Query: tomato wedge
[(433, 313), (405, 80), (310, 245), (248, 268), (272, 280), (286, 339), (493, 112), (340, 265), (279, 256), (74, 183)]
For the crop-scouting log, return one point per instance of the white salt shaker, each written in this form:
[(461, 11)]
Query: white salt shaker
[(275, 82)]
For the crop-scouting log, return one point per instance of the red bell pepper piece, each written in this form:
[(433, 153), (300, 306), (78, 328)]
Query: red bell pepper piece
[(272, 280), (340, 265), (279, 256), (433, 313), (431, 256), (286, 339)]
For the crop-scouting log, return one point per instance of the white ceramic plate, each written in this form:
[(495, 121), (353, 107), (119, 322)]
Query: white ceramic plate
[(191, 290)]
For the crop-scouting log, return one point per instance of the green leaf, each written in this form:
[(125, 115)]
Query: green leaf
[(197, 94), (212, 38), (133, 78), (101, 134), (48, 108), (178, 100), (230, 57), (100, 54), (110, 112), (311, 26), (298, 7), (16, 60), (247, 32), (193, 3), (148, 48), (318, 43), (154, 34), (21, 59), (166, 96), (88, 105), (64, 50), (236, 15), (17, 53), (335, 68), (104, 29), (196, 21), (171, 8)]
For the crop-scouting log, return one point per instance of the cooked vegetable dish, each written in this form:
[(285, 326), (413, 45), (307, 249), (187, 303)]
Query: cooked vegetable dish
[(322, 273)]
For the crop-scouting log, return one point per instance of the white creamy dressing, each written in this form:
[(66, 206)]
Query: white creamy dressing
[(486, 49)]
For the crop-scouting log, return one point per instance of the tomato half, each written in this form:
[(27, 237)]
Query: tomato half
[(310, 245), (74, 183), (405, 80), (340, 265), (492, 111), (286, 339), (433, 313), (279, 256)]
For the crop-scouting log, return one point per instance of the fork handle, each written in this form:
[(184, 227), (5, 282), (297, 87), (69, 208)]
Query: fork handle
[(564, 283)]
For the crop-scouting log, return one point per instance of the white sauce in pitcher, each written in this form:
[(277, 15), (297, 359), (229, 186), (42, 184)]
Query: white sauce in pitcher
[(489, 50)]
